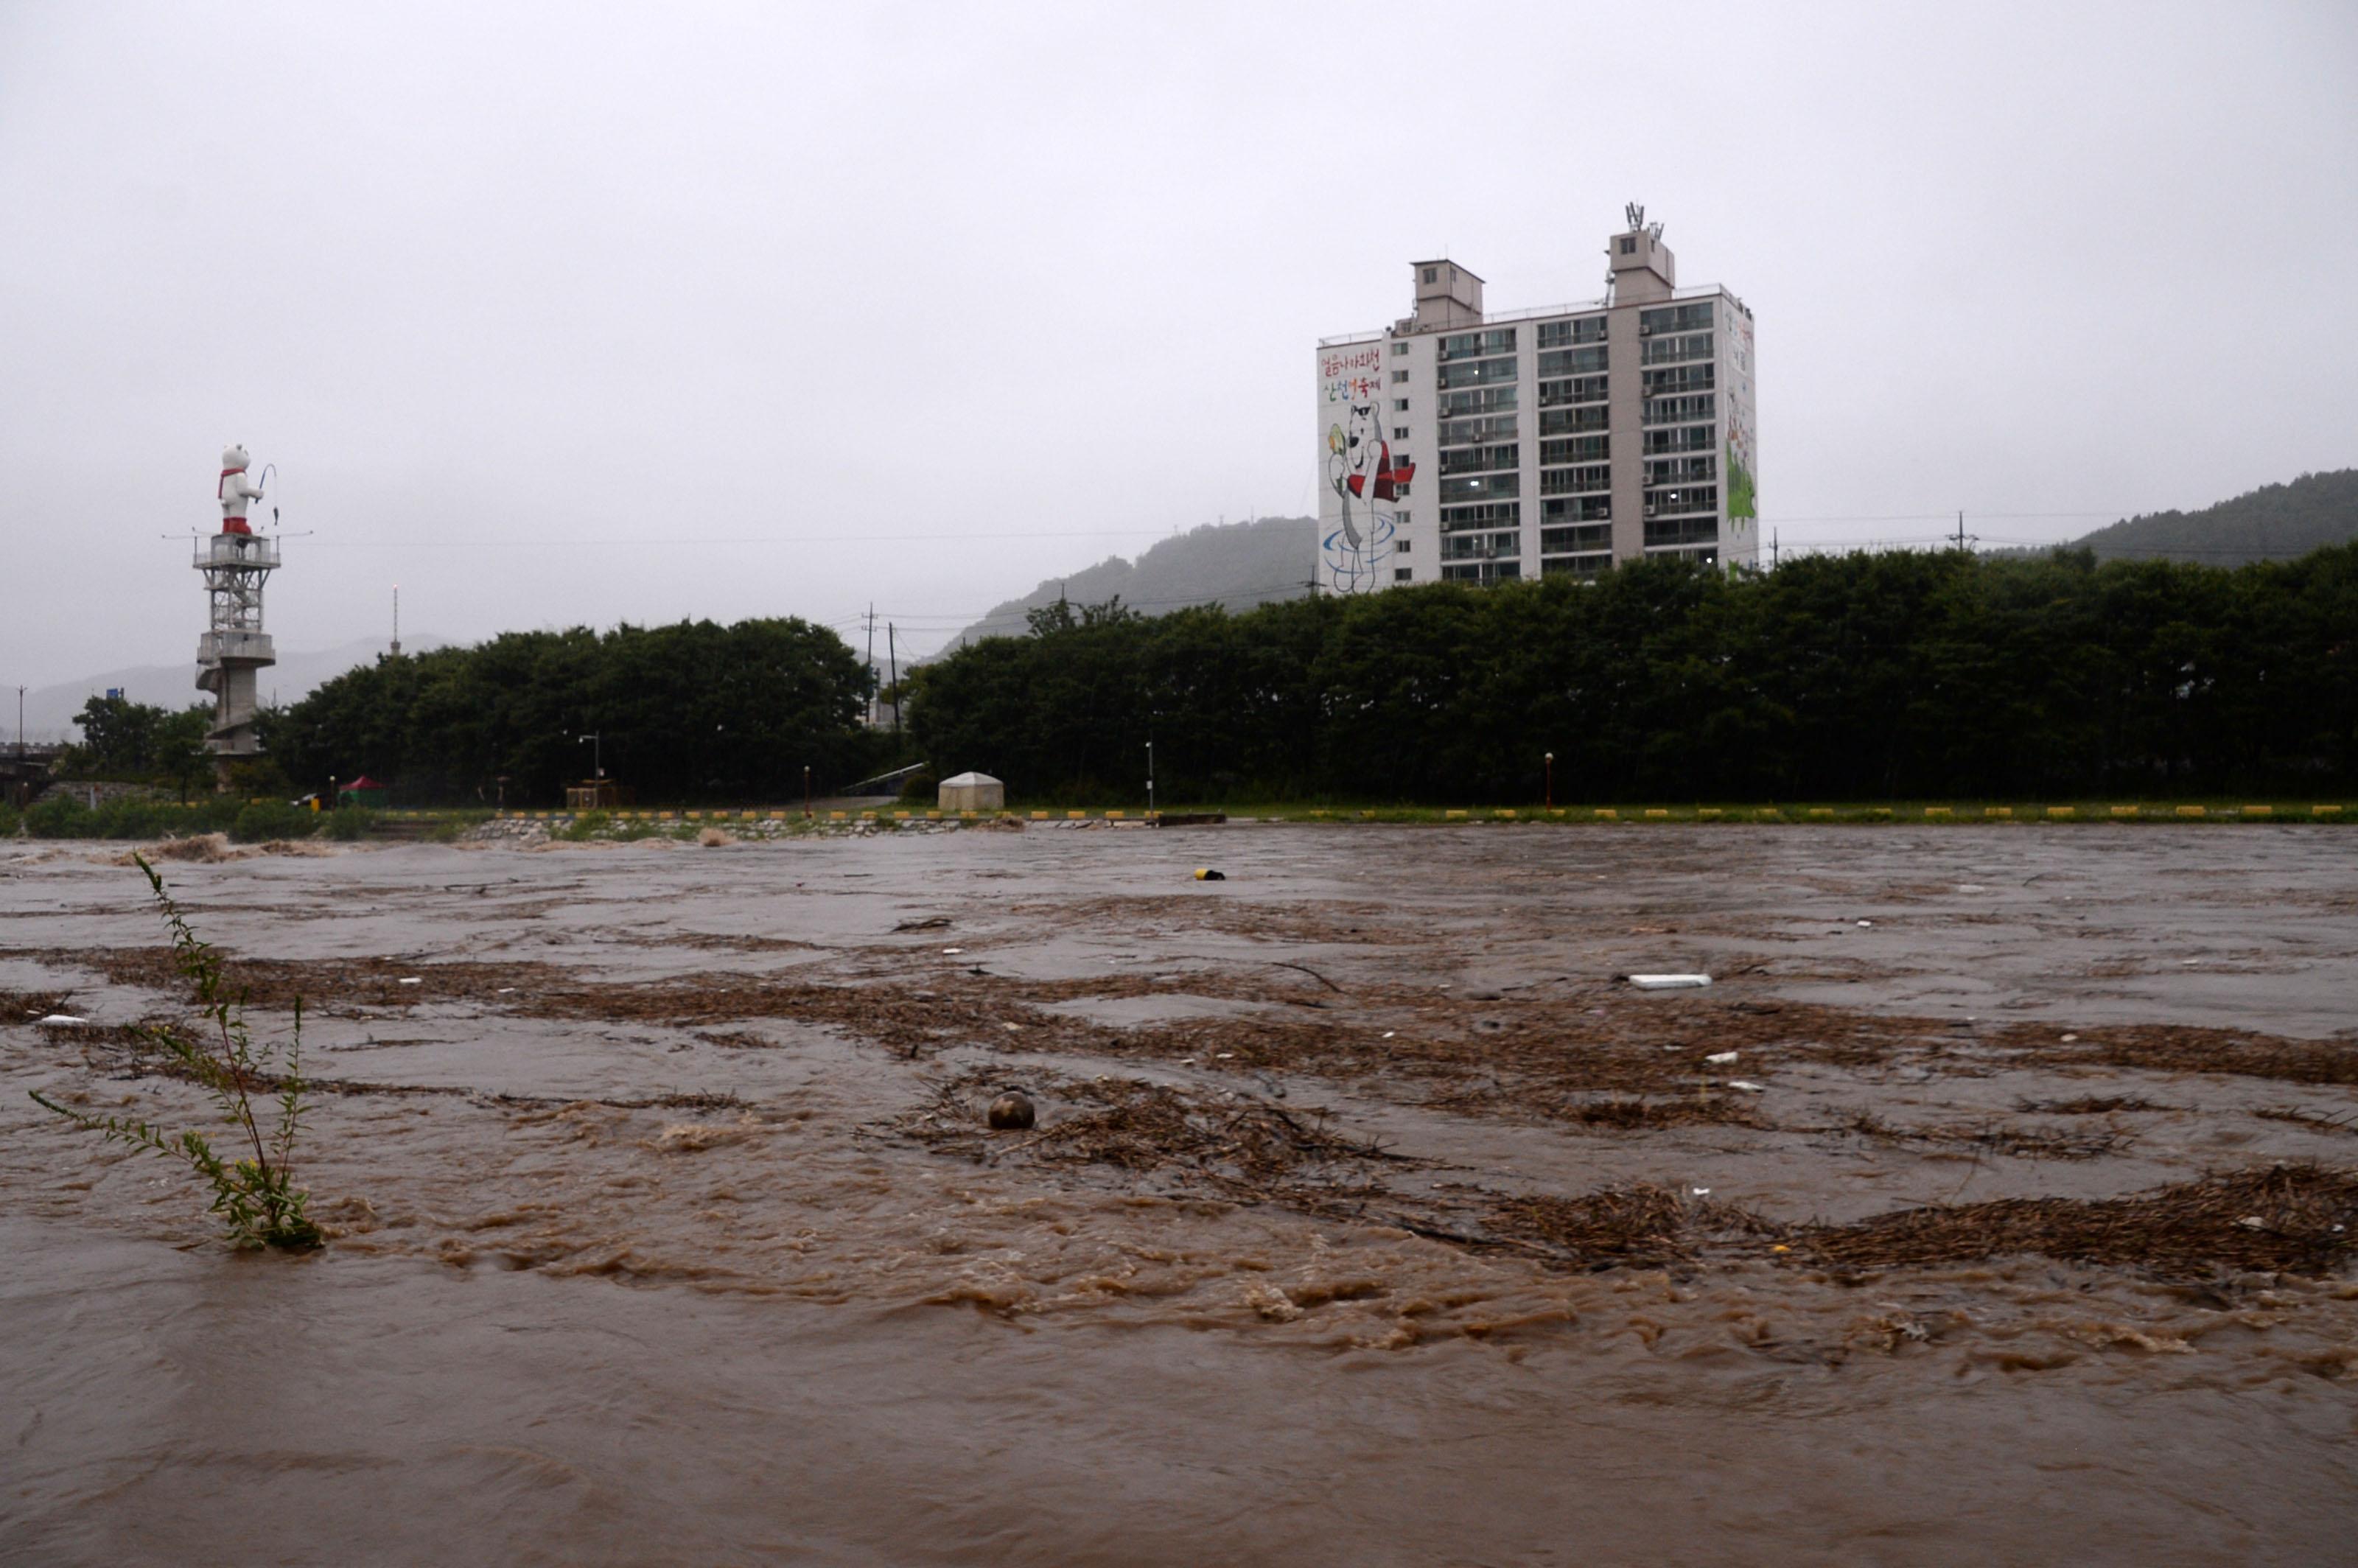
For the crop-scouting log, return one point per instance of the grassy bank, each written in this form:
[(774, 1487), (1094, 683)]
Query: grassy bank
[(259, 821)]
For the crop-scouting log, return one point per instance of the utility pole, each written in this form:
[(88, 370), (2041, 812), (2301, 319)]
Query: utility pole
[(871, 666), (892, 662), (1961, 528), (1772, 549), (397, 621), (20, 723)]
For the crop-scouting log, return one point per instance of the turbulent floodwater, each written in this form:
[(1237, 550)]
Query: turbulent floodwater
[(1368, 1219)]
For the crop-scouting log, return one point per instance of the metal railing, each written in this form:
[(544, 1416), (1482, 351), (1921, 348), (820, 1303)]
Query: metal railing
[(1501, 317), (250, 552)]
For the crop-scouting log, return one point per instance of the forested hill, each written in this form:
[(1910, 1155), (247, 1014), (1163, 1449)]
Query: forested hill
[(2275, 521), (1238, 565)]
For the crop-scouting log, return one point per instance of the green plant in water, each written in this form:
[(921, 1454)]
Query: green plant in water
[(255, 1195)]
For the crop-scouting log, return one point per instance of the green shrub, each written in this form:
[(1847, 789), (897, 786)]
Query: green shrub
[(921, 788), (265, 819), (58, 817), (255, 1197), (586, 825), (347, 822), (11, 820), (130, 818), (453, 824)]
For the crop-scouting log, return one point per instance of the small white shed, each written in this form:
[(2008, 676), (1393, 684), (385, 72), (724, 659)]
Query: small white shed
[(973, 792)]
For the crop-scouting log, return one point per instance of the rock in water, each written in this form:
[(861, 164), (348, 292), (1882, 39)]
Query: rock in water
[(1012, 1112)]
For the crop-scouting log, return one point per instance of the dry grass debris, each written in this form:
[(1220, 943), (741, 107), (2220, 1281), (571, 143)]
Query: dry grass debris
[(1241, 1147), (2286, 1219)]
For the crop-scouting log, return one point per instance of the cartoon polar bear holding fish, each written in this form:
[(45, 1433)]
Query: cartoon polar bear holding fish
[(1360, 468)]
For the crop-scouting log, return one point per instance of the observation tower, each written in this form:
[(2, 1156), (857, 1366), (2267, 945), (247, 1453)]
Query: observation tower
[(235, 562)]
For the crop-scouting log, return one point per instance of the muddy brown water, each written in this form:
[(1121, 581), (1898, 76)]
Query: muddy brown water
[(665, 1233)]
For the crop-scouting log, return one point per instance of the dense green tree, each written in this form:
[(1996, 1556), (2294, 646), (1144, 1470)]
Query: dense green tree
[(694, 711), (1841, 677)]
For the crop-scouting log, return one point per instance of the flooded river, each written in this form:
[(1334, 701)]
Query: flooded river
[(1369, 1216)]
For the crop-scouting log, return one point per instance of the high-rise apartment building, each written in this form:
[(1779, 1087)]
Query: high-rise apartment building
[(1457, 444)]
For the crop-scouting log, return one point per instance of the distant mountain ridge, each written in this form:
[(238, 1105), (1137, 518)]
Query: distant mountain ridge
[(1237, 565), (2274, 521), (50, 710)]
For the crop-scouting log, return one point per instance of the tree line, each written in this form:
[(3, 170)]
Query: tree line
[(125, 740), (688, 712), (1863, 676)]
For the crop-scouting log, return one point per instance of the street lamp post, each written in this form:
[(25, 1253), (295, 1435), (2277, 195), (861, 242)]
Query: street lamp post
[(596, 742), (1551, 781), (1150, 778), (806, 810)]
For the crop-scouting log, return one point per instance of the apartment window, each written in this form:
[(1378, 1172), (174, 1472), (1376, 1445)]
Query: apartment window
[(1399, 377), (1576, 481), (1682, 470), (1578, 389), (1681, 410), (1493, 428), (1571, 541), (1399, 405), (1670, 503), (1404, 546), (1432, 274), (1489, 515), (1504, 546), (1576, 509), (1481, 487), (1670, 351), (1399, 348), (1694, 317), (1575, 421), (1682, 530), (1477, 345), (1482, 400), (1576, 450), (1563, 334), (1482, 571), (1471, 372), (1572, 362), (1575, 566), (1400, 432), (1480, 460), (1403, 574), (1679, 381), (1684, 438), (1628, 244)]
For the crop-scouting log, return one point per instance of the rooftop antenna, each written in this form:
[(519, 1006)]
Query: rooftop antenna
[(1636, 212)]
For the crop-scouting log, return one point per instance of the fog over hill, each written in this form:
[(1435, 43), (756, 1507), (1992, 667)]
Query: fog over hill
[(2274, 521), (50, 710), (1237, 565)]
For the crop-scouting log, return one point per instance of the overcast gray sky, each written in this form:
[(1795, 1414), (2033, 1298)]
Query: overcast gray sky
[(569, 313)]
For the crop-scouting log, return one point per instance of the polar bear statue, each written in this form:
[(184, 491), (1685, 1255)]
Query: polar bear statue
[(235, 492)]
